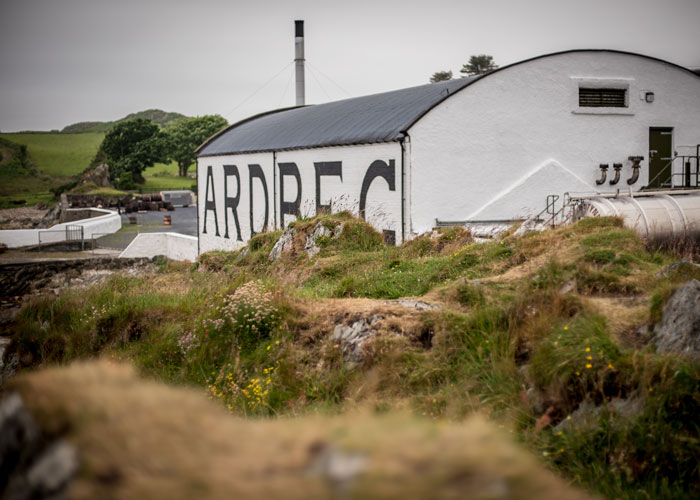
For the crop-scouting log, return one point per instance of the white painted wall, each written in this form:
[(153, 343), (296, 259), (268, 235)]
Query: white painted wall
[(383, 206), (174, 246), (496, 149), (110, 222)]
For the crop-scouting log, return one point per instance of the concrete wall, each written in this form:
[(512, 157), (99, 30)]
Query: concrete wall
[(496, 149), (337, 174), (174, 246), (108, 222)]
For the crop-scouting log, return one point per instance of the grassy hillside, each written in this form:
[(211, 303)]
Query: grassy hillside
[(21, 183), (57, 158), (541, 332), (60, 156), (157, 116)]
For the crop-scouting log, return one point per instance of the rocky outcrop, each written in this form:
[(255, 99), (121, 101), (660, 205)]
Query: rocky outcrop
[(318, 235), (99, 176), (679, 330), (17, 279), (284, 244), (321, 233)]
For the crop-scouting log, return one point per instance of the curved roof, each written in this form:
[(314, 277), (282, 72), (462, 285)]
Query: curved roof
[(361, 120)]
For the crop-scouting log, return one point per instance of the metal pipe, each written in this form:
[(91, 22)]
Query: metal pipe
[(618, 168), (603, 173), (299, 62), (636, 160)]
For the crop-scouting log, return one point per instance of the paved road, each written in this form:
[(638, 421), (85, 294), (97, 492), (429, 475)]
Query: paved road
[(184, 221)]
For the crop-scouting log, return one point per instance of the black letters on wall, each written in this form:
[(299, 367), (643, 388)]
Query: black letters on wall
[(289, 207), (210, 205), (326, 168), (231, 201), (378, 168), (255, 170)]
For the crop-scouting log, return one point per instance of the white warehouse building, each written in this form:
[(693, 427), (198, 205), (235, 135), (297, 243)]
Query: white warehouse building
[(485, 149)]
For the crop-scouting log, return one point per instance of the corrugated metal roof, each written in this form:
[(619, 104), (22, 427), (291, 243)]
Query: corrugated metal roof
[(360, 120)]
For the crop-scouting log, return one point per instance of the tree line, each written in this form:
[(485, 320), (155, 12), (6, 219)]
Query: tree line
[(134, 145), (477, 65)]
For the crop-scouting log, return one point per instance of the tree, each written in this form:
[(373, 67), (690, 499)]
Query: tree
[(441, 76), (132, 146), (187, 134), (478, 65)]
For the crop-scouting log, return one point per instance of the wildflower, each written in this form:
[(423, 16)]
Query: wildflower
[(578, 373), (566, 327), (556, 342), (589, 358), (588, 349), (589, 366), (610, 365)]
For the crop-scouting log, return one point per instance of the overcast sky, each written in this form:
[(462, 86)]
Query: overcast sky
[(64, 61)]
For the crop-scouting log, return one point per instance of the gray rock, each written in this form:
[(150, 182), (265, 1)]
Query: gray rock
[(284, 244), (9, 362), (588, 414), (679, 330), (339, 468), (416, 304), (19, 434), (568, 287), (54, 468), (28, 470), (352, 337), (98, 176), (536, 401), (680, 265)]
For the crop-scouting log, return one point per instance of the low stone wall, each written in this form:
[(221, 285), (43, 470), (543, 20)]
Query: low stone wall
[(108, 222), (17, 279), (174, 246)]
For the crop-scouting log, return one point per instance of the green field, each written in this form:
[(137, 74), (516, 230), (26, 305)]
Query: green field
[(61, 157)]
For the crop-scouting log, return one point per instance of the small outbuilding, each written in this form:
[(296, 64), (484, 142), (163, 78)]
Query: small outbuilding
[(481, 150)]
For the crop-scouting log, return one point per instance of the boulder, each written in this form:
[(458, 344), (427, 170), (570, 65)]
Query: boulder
[(679, 330)]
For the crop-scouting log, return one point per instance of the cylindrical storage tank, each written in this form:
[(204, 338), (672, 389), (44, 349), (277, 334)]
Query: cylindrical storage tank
[(652, 216)]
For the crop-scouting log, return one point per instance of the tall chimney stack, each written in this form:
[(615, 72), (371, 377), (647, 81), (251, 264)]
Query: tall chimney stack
[(299, 61)]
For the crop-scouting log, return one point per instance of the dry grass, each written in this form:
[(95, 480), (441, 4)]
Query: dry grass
[(139, 439)]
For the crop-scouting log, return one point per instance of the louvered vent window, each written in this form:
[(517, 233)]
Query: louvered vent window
[(602, 98)]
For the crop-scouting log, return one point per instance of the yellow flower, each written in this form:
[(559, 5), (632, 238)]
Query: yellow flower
[(610, 365), (588, 349), (589, 366), (566, 327), (589, 358), (268, 347)]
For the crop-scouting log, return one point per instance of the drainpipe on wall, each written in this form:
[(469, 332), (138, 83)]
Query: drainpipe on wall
[(196, 176), (402, 138)]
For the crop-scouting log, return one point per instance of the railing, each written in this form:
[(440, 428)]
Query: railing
[(686, 177), (70, 233)]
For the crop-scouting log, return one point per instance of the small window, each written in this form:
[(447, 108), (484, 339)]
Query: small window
[(602, 98)]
